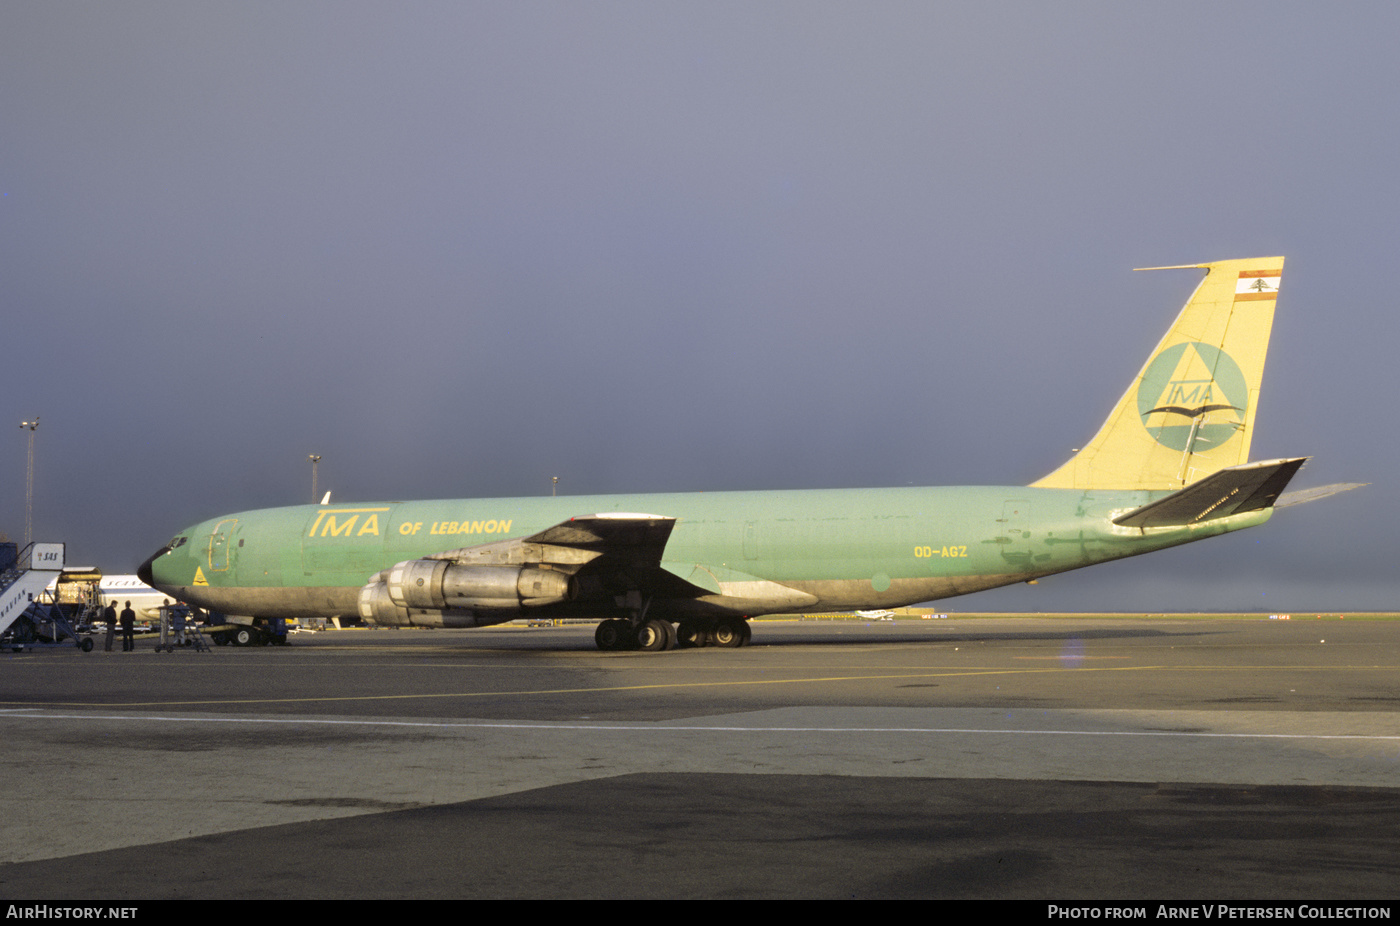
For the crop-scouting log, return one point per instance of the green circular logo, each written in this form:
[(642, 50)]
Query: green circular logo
[(1192, 386)]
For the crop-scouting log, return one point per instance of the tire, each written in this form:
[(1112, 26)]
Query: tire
[(692, 636), (729, 633), (613, 635), (86, 645), (242, 637), (656, 635)]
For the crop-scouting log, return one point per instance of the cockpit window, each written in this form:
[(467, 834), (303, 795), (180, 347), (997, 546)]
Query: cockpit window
[(178, 542)]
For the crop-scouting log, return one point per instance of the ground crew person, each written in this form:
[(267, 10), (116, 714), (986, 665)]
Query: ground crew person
[(178, 616), (128, 629), (109, 614)]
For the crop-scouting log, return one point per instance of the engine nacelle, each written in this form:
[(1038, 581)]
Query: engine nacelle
[(376, 607), (437, 584)]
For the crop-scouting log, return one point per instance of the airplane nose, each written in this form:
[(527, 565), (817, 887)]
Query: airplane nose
[(143, 572)]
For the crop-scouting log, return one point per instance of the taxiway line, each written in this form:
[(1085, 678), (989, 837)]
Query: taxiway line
[(656, 686), (682, 728)]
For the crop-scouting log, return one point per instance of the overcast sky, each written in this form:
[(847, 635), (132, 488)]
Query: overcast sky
[(458, 248)]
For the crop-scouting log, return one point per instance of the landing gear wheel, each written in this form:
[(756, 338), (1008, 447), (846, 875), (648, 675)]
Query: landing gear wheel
[(692, 636), (731, 633), (656, 635), (613, 635)]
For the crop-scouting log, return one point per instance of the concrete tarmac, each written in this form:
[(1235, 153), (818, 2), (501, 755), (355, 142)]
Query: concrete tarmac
[(1030, 758)]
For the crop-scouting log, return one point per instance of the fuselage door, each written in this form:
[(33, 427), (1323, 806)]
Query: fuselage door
[(221, 544), (750, 540)]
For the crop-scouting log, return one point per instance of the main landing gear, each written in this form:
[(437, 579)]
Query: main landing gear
[(654, 634)]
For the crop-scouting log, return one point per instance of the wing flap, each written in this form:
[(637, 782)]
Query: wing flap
[(1226, 492)]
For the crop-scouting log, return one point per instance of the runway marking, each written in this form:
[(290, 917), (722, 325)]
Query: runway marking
[(958, 673), (39, 714)]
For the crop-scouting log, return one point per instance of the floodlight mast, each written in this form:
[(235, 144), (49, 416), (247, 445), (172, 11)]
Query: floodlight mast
[(31, 427)]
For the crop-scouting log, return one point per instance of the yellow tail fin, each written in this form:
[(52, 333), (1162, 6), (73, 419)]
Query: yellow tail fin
[(1190, 412)]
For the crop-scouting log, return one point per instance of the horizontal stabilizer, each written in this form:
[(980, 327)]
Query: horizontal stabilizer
[(1233, 490), (1299, 496)]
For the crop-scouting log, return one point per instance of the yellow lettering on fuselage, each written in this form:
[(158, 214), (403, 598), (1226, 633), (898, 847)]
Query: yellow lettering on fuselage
[(492, 526), (348, 522), (948, 550), (338, 530), (328, 523)]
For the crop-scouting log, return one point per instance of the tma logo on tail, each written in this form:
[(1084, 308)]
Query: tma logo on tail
[(1192, 386)]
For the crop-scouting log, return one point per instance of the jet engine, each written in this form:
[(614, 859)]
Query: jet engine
[(442, 593)]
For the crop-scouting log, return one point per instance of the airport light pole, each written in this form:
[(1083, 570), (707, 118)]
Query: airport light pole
[(314, 458), (31, 427)]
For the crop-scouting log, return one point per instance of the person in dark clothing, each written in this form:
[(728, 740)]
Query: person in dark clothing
[(109, 614), (128, 629)]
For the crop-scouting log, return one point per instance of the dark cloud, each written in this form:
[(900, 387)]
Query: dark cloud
[(458, 248)]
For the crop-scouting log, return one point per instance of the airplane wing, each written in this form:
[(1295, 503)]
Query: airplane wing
[(1233, 490), (622, 536), (617, 538), (620, 551)]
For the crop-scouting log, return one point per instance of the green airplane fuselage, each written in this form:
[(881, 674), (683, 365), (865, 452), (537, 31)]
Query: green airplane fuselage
[(742, 553), (1168, 466)]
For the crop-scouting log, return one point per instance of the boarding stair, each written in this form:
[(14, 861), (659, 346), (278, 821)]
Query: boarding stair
[(24, 576)]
